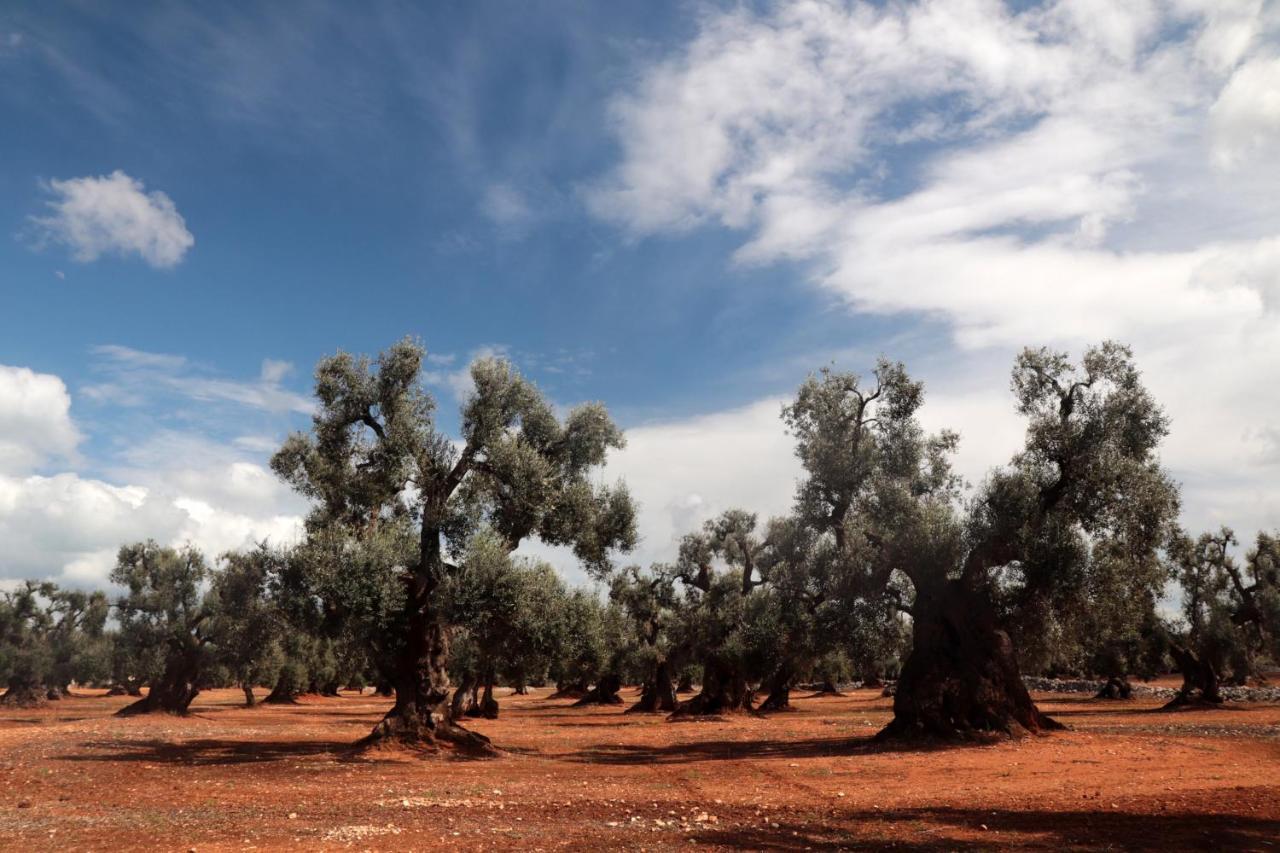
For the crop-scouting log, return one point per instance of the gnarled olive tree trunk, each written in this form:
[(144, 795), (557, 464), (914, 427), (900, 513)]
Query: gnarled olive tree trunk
[(604, 693), (422, 714), (962, 676), (724, 690), (779, 685), (1201, 684), (176, 687), (22, 692), (657, 693)]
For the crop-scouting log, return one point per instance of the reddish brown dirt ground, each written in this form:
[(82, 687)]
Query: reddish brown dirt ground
[(72, 777)]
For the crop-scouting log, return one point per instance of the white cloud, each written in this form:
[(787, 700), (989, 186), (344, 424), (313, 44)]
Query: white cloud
[(113, 214), (68, 528), (1072, 171), (1246, 116), (35, 420), (174, 487), (684, 472)]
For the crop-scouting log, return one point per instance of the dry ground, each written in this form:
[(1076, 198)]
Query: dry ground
[(72, 777)]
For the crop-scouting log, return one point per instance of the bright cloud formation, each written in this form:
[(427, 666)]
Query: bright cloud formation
[(172, 487), (1069, 172), (114, 214), (35, 420)]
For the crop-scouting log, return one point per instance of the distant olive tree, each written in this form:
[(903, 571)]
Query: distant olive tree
[(163, 609)]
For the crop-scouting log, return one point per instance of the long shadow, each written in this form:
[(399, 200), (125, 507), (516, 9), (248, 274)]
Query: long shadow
[(1048, 830), (737, 750), (211, 752)]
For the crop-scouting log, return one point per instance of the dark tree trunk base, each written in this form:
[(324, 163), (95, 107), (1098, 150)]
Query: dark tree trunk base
[(488, 704), (281, 695), (249, 699), (569, 691), (409, 731), (657, 695), (724, 691), (22, 696), (779, 698), (604, 693), (176, 689), (1115, 688), (1200, 681), (961, 680)]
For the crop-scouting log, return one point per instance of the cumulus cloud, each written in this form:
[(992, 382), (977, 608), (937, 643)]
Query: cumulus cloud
[(171, 486), (68, 528), (1054, 174), (1246, 116), (113, 214), (35, 420)]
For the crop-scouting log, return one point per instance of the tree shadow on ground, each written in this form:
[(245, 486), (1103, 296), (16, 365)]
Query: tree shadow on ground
[(1025, 830), (215, 752), (737, 750)]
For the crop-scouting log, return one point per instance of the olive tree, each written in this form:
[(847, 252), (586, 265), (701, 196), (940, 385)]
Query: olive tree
[(1231, 613), (163, 609), (719, 569), (653, 604), (509, 609), (375, 457), (243, 617), (1087, 481)]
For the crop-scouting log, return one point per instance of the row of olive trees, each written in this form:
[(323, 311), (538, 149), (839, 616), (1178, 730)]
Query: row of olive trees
[(888, 565), (252, 620)]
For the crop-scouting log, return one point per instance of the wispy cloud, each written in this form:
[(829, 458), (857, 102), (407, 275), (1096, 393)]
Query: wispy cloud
[(1052, 173), (131, 376)]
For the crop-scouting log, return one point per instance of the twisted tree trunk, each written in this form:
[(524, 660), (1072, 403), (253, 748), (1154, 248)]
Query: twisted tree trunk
[(1200, 679), (779, 698), (488, 704), (249, 699), (286, 689), (962, 676), (23, 692), (724, 690), (657, 693), (422, 715), (177, 687), (604, 693)]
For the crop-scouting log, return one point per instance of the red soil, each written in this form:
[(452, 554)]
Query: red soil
[(227, 777)]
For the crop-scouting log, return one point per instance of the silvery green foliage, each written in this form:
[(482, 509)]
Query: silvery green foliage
[(375, 455), (510, 609), (163, 604), (1085, 504)]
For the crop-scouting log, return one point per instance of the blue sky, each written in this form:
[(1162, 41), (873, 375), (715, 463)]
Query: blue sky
[(677, 208)]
